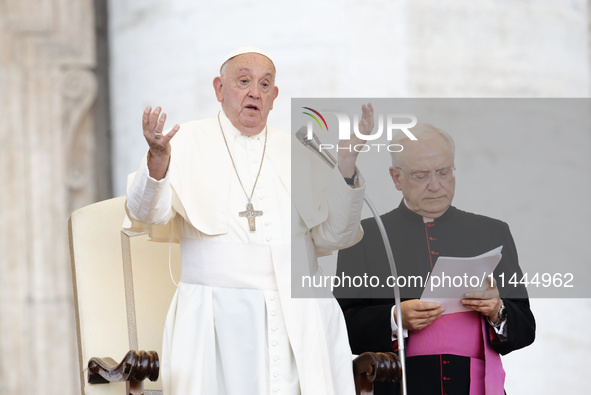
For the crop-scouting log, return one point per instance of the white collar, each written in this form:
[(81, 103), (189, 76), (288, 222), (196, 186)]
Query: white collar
[(232, 132)]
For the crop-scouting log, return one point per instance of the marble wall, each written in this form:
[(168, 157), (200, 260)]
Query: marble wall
[(48, 91)]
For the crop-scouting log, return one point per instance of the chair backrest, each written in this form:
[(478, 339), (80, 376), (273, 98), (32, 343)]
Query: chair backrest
[(122, 289)]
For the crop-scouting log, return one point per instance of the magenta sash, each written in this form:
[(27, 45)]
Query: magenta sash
[(465, 334)]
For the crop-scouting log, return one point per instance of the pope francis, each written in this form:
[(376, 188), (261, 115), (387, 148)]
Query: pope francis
[(223, 188)]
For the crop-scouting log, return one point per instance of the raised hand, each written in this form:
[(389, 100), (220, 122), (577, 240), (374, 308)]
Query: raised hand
[(366, 123), (159, 143), (347, 154)]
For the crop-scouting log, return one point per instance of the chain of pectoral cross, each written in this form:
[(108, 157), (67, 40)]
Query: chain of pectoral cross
[(250, 212)]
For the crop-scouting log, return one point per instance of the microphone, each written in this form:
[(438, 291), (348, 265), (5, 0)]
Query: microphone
[(314, 145)]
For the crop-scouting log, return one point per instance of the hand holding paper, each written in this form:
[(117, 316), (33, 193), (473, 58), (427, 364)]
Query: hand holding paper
[(417, 314), (487, 302), (464, 284)]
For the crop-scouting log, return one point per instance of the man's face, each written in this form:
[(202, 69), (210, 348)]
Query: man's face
[(433, 196), (247, 90)]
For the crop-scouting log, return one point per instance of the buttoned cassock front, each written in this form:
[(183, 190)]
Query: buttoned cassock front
[(204, 199)]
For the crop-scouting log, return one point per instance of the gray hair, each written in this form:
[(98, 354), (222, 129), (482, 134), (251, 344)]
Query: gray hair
[(420, 131)]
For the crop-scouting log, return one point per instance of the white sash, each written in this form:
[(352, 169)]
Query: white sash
[(228, 265)]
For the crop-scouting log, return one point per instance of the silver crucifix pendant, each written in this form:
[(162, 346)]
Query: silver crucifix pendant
[(250, 213)]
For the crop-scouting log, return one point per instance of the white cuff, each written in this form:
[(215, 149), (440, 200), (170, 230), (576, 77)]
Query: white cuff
[(150, 200), (500, 328), (394, 326)]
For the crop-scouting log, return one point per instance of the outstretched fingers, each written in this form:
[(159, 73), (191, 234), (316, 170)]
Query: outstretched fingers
[(146, 118), (153, 125), (153, 121), (367, 120), (170, 134)]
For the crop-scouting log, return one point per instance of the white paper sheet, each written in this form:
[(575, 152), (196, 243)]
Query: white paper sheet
[(452, 277)]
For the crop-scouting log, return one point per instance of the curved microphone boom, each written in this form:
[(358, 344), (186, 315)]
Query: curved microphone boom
[(315, 145)]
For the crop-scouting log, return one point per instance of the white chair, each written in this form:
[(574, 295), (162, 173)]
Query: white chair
[(122, 291)]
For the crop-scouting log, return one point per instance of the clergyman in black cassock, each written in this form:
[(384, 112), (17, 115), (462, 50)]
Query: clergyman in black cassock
[(424, 227)]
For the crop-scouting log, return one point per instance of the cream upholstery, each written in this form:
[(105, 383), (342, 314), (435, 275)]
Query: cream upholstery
[(103, 281)]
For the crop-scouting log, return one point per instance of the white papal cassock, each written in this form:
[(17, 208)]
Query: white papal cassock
[(233, 326)]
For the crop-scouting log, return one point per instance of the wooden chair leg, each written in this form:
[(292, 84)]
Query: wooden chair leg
[(135, 387), (133, 369), (370, 367)]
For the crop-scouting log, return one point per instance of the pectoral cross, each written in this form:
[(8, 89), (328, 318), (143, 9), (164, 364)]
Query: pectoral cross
[(250, 213)]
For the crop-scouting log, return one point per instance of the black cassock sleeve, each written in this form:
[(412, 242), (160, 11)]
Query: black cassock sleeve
[(521, 325)]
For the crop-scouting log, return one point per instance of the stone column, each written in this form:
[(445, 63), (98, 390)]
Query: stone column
[(47, 92)]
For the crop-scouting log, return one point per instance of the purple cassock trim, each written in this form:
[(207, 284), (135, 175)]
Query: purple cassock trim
[(465, 334)]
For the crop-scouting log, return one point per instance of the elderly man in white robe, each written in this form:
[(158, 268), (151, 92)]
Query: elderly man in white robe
[(222, 187)]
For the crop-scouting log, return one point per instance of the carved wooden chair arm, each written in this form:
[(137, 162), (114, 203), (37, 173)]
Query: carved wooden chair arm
[(134, 368), (375, 366)]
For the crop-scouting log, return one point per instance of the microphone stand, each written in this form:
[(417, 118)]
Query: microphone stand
[(314, 145)]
